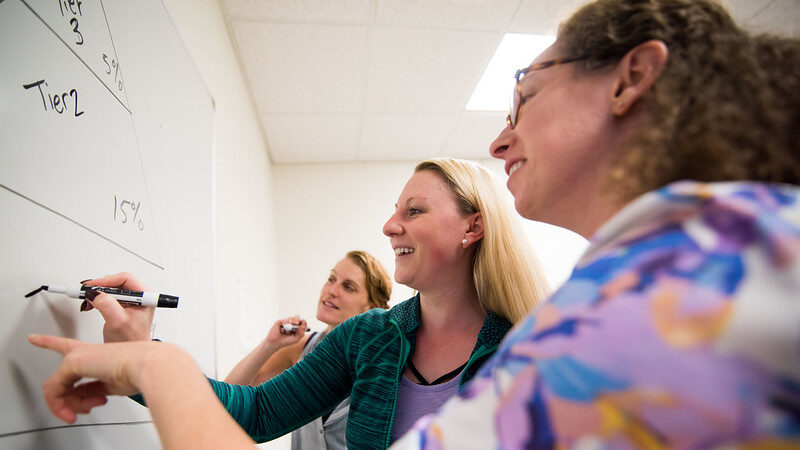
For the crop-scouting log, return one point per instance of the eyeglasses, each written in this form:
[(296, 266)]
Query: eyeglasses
[(518, 100)]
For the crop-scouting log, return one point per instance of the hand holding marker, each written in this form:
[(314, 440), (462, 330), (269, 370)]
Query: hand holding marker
[(124, 296), (291, 328)]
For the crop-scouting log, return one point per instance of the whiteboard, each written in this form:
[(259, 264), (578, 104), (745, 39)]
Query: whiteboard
[(105, 165)]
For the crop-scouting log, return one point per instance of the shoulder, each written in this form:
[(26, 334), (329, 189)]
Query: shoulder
[(403, 311), (690, 228), (701, 275), (378, 320)]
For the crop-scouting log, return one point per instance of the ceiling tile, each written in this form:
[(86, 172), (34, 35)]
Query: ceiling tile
[(404, 137), (312, 138), (472, 134), (447, 14), (324, 11), (303, 68), (426, 71), (744, 10), (542, 17), (780, 17)]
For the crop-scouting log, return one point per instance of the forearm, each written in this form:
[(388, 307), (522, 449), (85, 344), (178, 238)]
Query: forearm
[(291, 399), (246, 370), (185, 410)]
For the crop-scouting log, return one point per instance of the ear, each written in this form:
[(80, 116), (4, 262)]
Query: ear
[(474, 232), (637, 72)]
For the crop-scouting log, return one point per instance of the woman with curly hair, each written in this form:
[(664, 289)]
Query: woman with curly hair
[(670, 138)]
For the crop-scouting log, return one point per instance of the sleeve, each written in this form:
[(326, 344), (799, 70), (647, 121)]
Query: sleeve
[(309, 389)]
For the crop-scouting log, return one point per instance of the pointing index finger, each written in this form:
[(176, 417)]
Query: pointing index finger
[(56, 343)]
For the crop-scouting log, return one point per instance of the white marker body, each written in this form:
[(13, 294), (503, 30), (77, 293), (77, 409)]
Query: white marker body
[(146, 298)]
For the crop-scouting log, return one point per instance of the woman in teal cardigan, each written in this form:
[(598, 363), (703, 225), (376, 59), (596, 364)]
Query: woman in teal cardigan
[(456, 241)]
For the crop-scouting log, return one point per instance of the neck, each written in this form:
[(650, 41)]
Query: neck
[(452, 308), (595, 203), (592, 219)]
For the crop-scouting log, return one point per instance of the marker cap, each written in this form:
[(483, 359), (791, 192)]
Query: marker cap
[(167, 301)]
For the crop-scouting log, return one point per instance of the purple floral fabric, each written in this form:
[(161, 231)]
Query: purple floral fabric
[(679, 328)]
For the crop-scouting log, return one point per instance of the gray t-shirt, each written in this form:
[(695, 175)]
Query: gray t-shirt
[(319, 434), (416, 400)]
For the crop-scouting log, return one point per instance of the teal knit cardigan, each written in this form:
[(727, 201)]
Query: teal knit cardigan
[(364, 358)]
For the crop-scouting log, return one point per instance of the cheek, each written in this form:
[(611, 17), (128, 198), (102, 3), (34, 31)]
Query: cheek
[(354, 303), (566, 139)]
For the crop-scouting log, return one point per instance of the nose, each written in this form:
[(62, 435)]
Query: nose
[(331, 289), (392, 226), (503, 141)]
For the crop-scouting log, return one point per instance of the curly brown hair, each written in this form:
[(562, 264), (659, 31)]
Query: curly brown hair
[(726, 106), (376, 280)]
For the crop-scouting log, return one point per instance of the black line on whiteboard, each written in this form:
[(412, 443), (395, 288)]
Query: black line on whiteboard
[(80, 425), (146, 184), (114, 47), (76, 55), (191, 60), (81, 225)]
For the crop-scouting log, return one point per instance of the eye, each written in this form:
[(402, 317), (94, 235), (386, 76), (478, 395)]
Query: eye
[(525, 98), (414, 211), (331, 279), (350, 288)]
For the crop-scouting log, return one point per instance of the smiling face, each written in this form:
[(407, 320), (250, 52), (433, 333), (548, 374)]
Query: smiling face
[(426, 232), (559, 153), (344, 295)]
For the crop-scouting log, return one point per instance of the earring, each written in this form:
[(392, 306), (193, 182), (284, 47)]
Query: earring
[(464, 241)]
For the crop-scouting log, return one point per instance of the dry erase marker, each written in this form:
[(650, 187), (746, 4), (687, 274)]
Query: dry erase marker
[(124, 296), (289, 328)]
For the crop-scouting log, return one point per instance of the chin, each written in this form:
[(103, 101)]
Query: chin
[(323, 316), (399, 277), (523, 209)]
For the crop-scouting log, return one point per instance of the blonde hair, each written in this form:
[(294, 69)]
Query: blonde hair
[(506, 272), (376, 280)]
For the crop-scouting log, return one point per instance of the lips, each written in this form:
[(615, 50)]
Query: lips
[(329, 304), (514, 165), (400, 251)]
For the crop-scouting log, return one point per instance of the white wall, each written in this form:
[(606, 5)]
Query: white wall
[(244, 236), (245, 267)]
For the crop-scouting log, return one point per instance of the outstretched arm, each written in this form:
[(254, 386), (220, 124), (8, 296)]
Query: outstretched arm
[(184, 408)]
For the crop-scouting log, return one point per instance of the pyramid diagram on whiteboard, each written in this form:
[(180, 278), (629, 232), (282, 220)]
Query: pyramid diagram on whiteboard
[(61, 89)]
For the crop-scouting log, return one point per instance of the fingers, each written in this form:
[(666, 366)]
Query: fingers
[(60, 344), (66, 400), (108, 307), (119, 280), (86, 396), (299, 323), (57, 389)]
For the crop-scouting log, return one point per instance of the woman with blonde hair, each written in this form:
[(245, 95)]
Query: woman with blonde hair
[(451, 223), (507, 274)]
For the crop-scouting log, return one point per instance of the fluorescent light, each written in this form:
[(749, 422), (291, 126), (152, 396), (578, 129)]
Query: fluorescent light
[(516, 51)]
